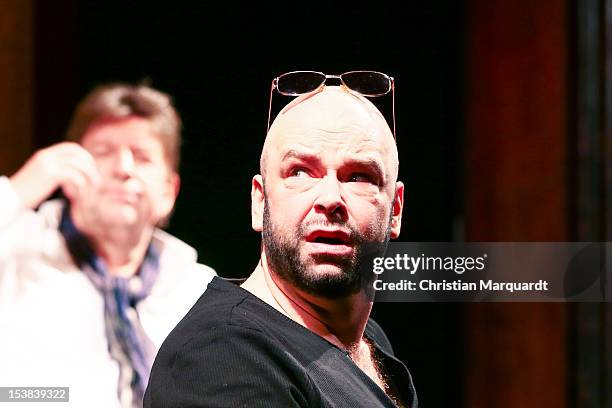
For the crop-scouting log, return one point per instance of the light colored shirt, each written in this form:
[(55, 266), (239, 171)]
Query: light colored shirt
[(52, 329)]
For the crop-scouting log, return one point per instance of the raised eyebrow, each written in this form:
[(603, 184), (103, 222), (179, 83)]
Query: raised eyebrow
[(371, 164), (145, 149), (99, 145), (141, 149), (294, 154)]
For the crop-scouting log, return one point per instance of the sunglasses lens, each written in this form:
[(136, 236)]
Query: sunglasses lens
[(299, 82), (368, 83)]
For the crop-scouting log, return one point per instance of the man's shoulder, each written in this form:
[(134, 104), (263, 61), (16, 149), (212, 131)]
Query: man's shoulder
[(222, 354), (220, 308), (223, 327), (225, 303), (225, 352)]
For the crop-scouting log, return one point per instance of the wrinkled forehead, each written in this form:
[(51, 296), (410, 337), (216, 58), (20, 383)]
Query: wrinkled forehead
[(331, 120), (331, 109)]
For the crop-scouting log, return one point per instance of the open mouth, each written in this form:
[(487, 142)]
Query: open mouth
[(329, 241), (336, 237)]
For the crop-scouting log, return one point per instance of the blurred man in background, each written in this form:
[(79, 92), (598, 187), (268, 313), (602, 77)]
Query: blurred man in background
[(90, 286)]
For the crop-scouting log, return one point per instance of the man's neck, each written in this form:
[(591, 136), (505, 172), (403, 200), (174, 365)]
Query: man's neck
[(121, 249), (340, 321)]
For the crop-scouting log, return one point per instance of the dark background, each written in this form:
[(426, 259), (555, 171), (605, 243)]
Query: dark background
[(217, 60), (504, 115)]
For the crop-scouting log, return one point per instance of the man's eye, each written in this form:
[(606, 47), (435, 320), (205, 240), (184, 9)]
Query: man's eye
[(141, 157), (299, 172), (360, 178), (100, 151)]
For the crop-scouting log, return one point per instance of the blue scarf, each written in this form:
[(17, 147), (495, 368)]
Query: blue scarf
[(128, 344)]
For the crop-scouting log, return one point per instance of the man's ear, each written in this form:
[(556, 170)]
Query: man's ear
[(257, 203), (398, 205)]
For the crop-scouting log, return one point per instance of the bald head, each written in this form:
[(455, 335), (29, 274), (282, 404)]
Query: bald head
[(328, 187), (333, 117)]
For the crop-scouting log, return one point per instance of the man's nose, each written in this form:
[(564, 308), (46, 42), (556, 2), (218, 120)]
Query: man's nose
[(329, 199), (124, 164)]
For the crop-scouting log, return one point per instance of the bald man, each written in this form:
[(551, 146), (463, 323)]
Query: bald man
[(297, 333)]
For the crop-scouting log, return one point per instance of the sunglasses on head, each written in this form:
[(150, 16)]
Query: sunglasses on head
[(366, 83)]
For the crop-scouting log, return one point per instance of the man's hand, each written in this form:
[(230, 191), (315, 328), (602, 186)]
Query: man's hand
[(66, 165)]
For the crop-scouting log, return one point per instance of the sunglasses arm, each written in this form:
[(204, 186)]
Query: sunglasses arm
[(270, 103), (393, 107)]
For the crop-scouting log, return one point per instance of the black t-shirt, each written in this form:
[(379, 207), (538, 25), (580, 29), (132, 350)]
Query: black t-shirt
[(234, 350)]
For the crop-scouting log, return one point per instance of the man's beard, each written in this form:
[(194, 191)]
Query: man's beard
[(283, 258)]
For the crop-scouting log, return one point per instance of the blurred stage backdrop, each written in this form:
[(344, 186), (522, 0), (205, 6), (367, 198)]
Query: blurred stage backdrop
[(503, 119)]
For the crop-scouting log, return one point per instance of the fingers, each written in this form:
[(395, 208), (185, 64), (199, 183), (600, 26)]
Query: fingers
[(66, 165), (76, 184), (75, 169), (65, 160)]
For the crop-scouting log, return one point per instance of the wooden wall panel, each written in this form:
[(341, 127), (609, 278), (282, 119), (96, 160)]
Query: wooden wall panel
[(16, 85), (516, 190), (516, 146)]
